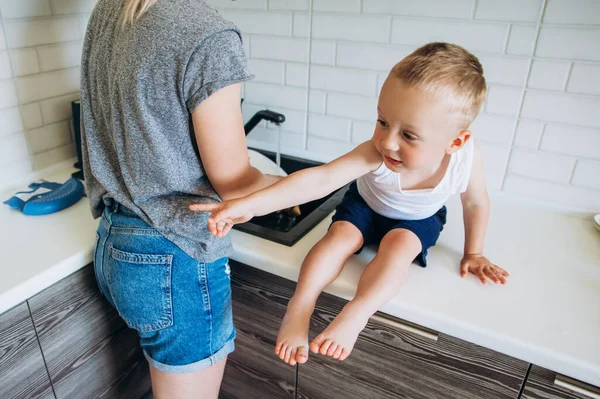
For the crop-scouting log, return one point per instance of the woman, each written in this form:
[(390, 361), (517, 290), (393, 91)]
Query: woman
[(162, 129)]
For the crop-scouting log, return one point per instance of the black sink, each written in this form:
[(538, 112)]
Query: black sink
[(288, 229)]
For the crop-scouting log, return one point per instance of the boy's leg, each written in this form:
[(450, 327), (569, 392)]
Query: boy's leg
[(322, 265), (380, 282)]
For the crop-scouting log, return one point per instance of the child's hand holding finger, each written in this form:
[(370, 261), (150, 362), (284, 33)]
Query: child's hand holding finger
[(224, 215)]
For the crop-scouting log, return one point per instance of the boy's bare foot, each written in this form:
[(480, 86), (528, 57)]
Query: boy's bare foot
[(338, 339), (292, 340)]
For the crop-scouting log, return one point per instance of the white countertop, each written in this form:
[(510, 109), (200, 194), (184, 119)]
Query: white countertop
[(547, 314)]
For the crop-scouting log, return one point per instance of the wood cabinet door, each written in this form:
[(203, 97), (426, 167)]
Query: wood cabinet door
[(89, 351), (253, 370), (545, 384), (390, 362), (22, 370)]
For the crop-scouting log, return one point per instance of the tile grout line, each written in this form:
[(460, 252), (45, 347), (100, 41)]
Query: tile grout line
[(568, 76), (307, 103), (573, 172)]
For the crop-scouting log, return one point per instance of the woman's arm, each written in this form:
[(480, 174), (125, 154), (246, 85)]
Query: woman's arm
[(221, 141)]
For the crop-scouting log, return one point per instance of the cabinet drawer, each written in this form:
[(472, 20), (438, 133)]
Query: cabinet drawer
[(253, 371), (395, 359), (545, 384)]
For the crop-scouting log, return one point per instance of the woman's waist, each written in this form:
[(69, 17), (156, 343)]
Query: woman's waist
[(168, 216)]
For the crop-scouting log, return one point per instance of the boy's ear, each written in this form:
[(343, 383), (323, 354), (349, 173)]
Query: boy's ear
[(459, 141)]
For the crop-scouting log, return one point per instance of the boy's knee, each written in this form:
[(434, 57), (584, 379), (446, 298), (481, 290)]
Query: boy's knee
[(344, 229), (345, 233), (401, 236)]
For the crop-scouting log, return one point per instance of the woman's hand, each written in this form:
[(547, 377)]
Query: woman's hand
[(224, 215), (482, 268)]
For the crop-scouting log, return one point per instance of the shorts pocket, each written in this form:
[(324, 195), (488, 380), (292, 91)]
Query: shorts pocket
[(140, 286)]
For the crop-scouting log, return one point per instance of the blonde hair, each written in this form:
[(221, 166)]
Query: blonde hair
[(448, 71), (134, 9)]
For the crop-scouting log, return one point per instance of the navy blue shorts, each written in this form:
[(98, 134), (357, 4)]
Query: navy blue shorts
[(374, 226)]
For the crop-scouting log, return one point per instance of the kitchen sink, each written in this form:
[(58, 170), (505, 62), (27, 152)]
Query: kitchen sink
[(285, 228)]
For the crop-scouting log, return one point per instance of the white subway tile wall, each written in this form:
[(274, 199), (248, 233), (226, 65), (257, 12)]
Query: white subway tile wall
[(584, 12), (24, 62), (5, 68), (521, 39), (587, 173), (420, 8), (25, 8), (508, 10), (585, 79), (550, 75), (529, 134), (11, 122), (322, 64), (40, 55)]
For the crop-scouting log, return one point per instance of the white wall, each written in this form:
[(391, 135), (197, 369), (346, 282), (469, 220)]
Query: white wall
[(540, 128), (322, 63), (40, 52)]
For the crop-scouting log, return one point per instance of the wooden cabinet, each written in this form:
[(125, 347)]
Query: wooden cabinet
[(22, 371), (89, 351), (387, 361), (68, 342), (253, 370), (546, 384), (390, 362)]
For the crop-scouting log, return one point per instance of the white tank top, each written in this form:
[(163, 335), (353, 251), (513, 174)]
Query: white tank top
[(382, 189)]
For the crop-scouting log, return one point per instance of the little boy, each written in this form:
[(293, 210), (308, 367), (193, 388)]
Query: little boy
[(420, 154)]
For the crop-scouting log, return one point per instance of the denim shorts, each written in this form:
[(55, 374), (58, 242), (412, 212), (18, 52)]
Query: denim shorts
[(374, 226), (180, 308)]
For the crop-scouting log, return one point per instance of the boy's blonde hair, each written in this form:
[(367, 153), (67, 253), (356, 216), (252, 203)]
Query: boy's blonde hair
[(449, 71)]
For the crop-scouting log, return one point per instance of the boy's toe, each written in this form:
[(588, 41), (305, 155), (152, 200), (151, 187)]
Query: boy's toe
[(315, 345), (338, 352), (282, 352), (288, 353), (324, 346), (345, 353), (302, 354), (332, 349), (292, 361)]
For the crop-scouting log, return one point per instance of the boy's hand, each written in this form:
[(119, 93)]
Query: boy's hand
[(224, 215), (482, 268)]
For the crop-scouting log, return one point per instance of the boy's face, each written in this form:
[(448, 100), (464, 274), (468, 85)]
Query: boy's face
[(414, 129)]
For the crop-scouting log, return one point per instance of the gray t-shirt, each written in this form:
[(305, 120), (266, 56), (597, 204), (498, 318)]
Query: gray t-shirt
[(139, 86)]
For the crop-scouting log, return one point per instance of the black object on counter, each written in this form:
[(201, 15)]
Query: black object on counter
[(75, 108)]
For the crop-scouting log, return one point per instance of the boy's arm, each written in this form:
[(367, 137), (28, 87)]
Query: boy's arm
[(476, 213), (298, 188), (476, 207)]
